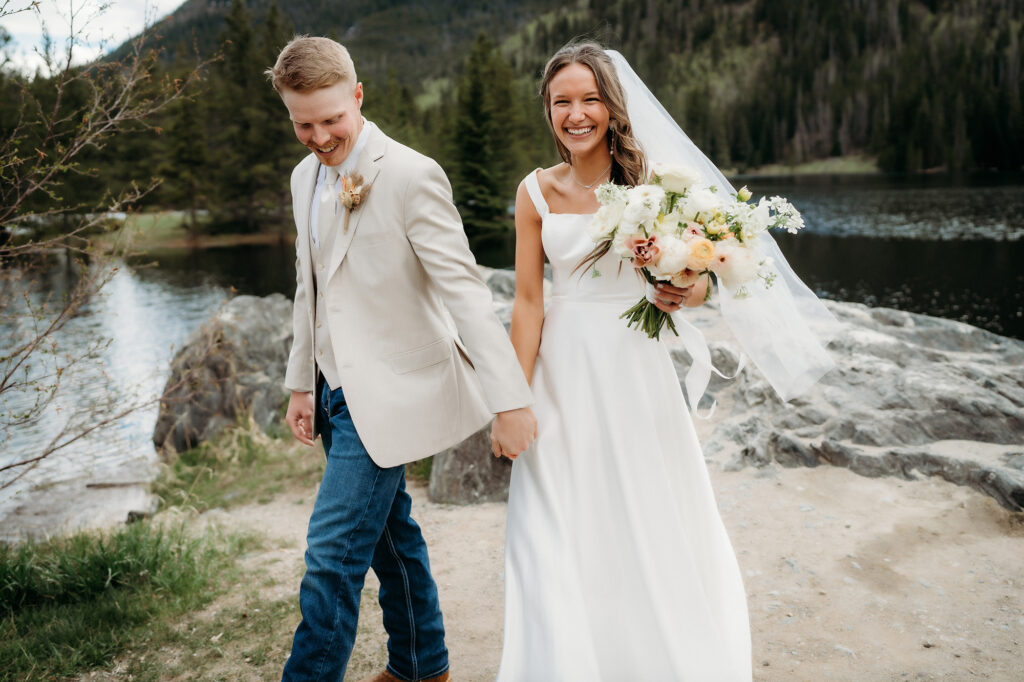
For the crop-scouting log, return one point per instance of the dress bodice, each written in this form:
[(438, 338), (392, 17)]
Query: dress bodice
[(566, 239)]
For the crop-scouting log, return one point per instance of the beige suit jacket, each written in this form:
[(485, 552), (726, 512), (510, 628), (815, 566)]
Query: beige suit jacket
[(423, 360)]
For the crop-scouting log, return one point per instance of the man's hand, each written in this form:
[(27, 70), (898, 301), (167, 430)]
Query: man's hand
[(300, 416), (512, 432)]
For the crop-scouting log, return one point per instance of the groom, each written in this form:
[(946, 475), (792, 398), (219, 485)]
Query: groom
[(397, 355)]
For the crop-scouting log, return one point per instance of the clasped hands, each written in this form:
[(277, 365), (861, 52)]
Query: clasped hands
[(512, 432)]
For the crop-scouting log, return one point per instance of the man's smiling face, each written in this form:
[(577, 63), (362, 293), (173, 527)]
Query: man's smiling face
[(327, 120)]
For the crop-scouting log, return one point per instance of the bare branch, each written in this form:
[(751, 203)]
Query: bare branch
[(80, 109)]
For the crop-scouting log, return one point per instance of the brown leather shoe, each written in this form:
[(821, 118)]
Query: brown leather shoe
[(382, 676), (385, 676)]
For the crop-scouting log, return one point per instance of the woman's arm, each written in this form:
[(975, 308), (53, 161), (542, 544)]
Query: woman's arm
[(528, 307)]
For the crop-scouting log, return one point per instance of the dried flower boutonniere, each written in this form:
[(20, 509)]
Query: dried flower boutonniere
[(353, 193)]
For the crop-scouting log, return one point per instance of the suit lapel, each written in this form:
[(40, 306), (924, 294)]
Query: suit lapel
[(368, 166)]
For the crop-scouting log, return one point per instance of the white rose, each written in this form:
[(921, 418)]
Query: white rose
[(665, 226), (644, 204), (702, 200), (676, 178), (686, 210), (734, 264), (605, 221), (675, 254)]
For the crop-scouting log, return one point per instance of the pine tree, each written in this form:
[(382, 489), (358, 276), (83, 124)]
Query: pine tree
[(255, 147), (187, 159), (484, 151), (276, 138)]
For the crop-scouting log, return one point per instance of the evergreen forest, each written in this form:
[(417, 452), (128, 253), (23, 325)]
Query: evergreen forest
[(915, 85)]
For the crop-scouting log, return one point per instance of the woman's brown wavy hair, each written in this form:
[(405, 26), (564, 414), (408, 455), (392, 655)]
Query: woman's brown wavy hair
[(629, 167)]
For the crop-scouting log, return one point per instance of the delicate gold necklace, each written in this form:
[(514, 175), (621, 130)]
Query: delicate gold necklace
[(572, 174)]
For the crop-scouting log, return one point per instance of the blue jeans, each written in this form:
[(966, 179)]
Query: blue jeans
[(361, 520)]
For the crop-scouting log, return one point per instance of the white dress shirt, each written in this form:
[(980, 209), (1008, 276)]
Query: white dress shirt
[(322, 195)]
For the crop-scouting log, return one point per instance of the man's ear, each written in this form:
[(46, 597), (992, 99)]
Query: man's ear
[(359, 95)]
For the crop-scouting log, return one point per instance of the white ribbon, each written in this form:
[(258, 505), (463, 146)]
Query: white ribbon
[(697, 378)]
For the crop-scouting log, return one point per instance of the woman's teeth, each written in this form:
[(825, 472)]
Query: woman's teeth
[(579, 131)]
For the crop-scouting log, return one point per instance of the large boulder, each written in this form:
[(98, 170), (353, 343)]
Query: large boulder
[(469, 473), (911, 395), (234, 365)]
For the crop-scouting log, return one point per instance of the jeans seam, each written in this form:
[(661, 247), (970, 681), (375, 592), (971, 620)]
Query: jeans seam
[(396, 674), (427, 676), (408, 603), (348, 549)]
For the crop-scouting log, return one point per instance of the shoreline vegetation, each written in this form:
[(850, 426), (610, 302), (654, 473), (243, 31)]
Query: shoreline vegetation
[(111, 604), (114, 599), (154, 231)]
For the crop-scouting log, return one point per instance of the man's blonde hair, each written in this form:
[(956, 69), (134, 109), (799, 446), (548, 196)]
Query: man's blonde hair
[(308, 63)]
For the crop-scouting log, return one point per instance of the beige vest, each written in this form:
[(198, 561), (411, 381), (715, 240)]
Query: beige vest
[(321, 329)]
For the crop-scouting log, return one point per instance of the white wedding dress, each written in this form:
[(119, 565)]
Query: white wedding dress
[(617, 564)]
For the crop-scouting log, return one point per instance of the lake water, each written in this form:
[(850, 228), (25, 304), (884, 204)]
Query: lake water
[(930, 245), (933, 245)]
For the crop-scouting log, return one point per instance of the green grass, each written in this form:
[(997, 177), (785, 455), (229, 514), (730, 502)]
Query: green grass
[(149, 230), (243, 465), (84, 602), (840, 165), (76, 603), (250, 640), (420, 469)]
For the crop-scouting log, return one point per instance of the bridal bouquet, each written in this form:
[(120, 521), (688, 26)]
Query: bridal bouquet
[(678, 229)]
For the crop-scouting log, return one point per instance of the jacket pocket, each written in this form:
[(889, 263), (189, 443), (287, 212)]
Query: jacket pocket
[(419, 358), (362, 241)]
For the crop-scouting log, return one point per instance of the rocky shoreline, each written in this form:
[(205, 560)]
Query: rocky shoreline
[(911, 396)]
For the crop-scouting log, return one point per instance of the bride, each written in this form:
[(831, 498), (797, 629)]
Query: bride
[(617, 565)]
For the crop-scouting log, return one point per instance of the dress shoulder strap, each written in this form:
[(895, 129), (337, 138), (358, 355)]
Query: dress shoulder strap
[(533, 187)]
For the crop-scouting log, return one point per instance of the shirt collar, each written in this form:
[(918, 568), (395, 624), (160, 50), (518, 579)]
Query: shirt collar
[(352, 159)]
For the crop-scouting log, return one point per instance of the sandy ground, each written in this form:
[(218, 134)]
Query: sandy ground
[(848, 578)]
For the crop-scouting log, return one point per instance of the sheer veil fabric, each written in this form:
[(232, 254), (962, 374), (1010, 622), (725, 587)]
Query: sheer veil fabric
[(783, 329)]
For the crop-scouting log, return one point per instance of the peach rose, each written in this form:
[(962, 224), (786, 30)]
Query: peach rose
[(646, 250)]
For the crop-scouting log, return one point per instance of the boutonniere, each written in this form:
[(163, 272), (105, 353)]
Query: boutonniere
[(353, 193)]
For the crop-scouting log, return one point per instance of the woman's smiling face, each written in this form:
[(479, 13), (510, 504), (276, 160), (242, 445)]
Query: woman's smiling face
[(578, 114)]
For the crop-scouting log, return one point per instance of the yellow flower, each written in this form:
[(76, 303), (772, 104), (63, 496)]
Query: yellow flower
[(702, 252)]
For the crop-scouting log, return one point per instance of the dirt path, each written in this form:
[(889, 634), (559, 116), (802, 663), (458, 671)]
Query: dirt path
[(848, 578)]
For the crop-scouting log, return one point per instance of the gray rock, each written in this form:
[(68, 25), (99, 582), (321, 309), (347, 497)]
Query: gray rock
[(907, 388), (911, 396), (469, 473), (502, 283), (233, 366)]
